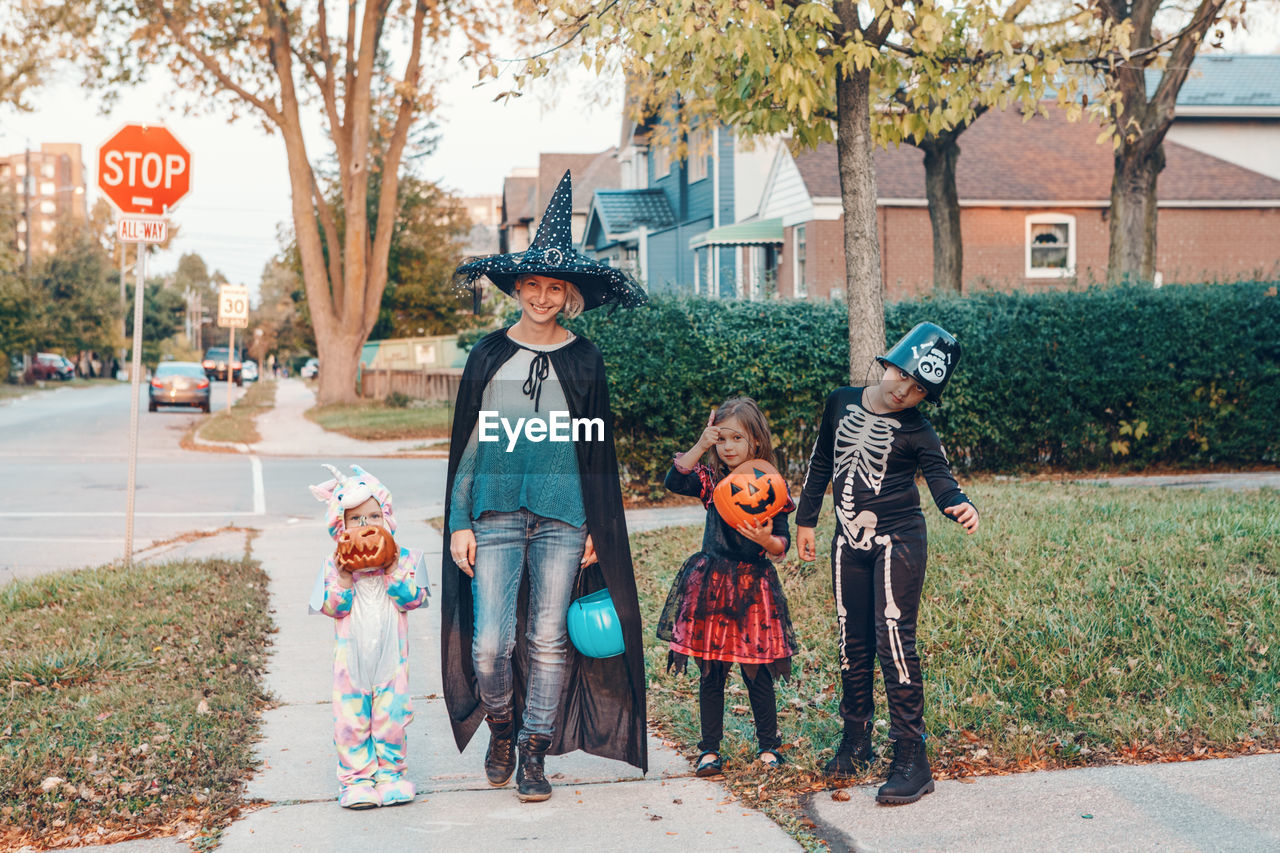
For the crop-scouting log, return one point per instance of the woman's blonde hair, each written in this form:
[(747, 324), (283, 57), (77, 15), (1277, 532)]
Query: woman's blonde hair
[(573, 301)]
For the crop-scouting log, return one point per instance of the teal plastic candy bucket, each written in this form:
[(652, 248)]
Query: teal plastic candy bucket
[(594, 628)]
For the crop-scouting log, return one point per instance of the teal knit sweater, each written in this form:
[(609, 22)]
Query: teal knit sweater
[(542, 476)]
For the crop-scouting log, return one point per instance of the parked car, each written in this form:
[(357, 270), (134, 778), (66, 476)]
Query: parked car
[(179, 383), (250, 371), (215, 364), (48, 365), (311, 369)]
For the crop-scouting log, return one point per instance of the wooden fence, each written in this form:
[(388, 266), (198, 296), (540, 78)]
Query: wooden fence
[(440, 384)]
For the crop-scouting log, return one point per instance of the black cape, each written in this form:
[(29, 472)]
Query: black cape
[(602, 705)]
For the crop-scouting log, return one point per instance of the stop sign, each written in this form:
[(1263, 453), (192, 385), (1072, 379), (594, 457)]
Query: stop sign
[(143, 169)]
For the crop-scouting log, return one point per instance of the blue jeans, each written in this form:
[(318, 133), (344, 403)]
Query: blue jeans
[(505, 543)]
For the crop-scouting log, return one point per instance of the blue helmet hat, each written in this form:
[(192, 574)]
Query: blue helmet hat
[(929, 355), (594, 627)]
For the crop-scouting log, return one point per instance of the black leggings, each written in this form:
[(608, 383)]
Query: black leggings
[(711, 703), (877, 589)]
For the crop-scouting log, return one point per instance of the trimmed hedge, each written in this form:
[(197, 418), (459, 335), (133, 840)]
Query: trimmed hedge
[(1121, 376)]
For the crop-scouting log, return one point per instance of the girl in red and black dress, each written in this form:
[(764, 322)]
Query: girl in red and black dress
[(726, 605)]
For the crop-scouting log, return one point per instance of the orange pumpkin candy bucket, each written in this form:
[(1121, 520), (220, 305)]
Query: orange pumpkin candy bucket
[(753, 492)]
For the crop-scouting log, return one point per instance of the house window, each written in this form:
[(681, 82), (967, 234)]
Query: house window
[(802, 282), (699, 153), (661, 162), (1051, 245), (47, 170)]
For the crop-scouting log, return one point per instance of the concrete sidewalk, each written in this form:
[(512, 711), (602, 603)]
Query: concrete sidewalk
[(1222, 804), (286, 431), (597, 803)]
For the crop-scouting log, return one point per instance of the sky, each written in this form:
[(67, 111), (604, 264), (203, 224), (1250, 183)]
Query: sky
[(240, 193)]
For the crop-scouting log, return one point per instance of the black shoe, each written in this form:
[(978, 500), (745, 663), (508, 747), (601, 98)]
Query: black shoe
[(500, 757), (853, 752), (710, 765), (531, 782), (909, 775)]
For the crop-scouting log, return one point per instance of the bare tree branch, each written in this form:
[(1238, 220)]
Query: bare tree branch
[(269, 109), (336, 283), (387, 200)]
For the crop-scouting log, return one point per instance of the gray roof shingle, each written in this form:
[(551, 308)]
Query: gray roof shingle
[(624, 210), (1228, 80), (1003, 158)]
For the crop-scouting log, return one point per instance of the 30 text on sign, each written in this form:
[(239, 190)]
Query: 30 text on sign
[(233, 306)]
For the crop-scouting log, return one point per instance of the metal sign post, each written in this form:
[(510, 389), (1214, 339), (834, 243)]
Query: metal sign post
[(144, 171), (134, 383), (233, 313), (231, 364)]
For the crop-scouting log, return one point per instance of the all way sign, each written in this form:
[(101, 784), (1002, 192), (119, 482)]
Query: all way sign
[(142, 230)]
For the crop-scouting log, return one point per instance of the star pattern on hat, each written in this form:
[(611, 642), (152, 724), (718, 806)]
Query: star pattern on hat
[(552, 254)]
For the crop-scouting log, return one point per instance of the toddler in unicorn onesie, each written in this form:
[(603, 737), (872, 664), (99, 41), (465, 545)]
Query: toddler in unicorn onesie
[(371, 705)]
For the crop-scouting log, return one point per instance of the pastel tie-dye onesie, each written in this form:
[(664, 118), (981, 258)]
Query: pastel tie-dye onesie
[(371, 704)]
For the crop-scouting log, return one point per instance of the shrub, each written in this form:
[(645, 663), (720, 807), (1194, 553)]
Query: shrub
[(1185, 374)]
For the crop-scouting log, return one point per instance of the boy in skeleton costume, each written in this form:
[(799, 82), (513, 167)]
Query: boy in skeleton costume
[(371, 705), (872, 441)]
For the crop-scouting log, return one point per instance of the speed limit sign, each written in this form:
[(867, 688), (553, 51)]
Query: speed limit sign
[(233, 306)]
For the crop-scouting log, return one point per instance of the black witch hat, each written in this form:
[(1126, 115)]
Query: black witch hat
[(552, 254)]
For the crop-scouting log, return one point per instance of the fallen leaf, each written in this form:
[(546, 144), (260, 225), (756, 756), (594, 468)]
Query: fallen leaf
[(841, 796), (203, 707)]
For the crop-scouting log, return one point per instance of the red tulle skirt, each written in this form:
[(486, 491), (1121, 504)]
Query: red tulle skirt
[(725, 610)]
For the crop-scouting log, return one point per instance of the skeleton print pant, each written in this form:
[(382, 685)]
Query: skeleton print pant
[(877, 584)]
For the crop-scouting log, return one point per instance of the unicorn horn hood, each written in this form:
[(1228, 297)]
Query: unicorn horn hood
[(344, 492)]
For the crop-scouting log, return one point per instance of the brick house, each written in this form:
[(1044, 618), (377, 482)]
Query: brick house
[(526, 192), (1034, 198)]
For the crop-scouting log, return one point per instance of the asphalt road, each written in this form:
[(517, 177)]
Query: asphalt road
[(65, 455)]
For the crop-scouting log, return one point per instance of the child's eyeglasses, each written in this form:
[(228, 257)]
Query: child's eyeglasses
[(363, 520)]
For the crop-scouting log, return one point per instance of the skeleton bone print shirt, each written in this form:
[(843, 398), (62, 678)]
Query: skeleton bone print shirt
[(871, 462)]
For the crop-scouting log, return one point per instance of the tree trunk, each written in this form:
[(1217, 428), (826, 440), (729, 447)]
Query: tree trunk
[(1132, 254), (864, 292), (940, 156), (339, 355)]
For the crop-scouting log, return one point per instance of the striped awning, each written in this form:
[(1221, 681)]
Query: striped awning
[(760, 232)]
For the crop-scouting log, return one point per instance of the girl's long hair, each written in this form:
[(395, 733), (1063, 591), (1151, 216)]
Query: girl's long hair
[(753, 421)]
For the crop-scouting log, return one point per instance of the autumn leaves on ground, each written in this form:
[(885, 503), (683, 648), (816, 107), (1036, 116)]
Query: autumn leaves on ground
[(130, 701), (1081, 625)]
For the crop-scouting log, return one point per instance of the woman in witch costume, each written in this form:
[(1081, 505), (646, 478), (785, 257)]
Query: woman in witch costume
[(533, 523)]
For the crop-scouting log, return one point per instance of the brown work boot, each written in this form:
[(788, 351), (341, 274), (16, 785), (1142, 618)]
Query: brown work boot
[(531, 781), (500, 757)]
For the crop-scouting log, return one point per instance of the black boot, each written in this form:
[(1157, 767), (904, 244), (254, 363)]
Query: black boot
[(909, 775), (531, 782), (500, 757), (853, 752)]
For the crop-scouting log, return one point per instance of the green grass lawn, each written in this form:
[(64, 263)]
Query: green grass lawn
[(1080, 625), (129, 701), (374, 420), (9, 391), (238, 423)]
